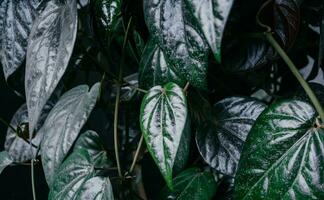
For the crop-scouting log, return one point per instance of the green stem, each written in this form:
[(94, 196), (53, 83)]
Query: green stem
[(8, 125), (33, 179), (117, 102), (136, 155), (296, 73)]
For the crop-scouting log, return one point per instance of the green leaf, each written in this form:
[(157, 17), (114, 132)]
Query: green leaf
[(212, 16), (79, 175), (220, 140), (283, 157), (155, 69), (173, 28), (192, 184), (49, 49), (163, 121), (5, 160), (63, 125), (16, 20)]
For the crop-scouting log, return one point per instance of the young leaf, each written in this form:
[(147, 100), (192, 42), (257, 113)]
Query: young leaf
[(5, 160), (63, 125), (155, 69), (212, 16), (173, 28), (191, 184), (16, 20), (221, 139), (49, 49), (78, 176), (283, 157), (163, 121)]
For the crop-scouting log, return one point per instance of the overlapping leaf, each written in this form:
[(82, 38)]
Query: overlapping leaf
[(173, 28), (212, 16), (220, 140), (193, 184), (155, 69), (283, 157), (5, 160), (49, 49), (16, 20), (163, 120), (79, 175), (63, 125)]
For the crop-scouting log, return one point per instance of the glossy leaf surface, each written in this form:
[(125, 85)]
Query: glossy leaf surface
[(163, 121), (283, 157), (191, 184), (172, 26), (5, 160), (63, 125), (49, 49), (16, 21), (212, 16), (17, 148), (220, 140), (155, 69), (77, 177)]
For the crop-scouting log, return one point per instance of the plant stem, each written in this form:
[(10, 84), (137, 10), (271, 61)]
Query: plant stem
[(117, 101), (33, 179), (136, 154), (186, 87), (8, 125), (296, 73)]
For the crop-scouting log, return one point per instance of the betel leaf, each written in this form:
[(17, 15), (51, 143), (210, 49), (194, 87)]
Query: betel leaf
[(212, 16), (17, 148), (193, 184), (79, 175), (220, 140), (5, 160), (15, 24), (283, 156), (49, 49), (63, 125), (155, 69), (172, 26), (163, 121)]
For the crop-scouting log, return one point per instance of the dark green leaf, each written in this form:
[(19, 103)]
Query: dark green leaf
[(220, 140), (78, 177), (155, 69), (212, 16), (172, 26), (63, 125), (5, 160), (163, 121), (49, 49), (16, 20), (192, 184), (283, 157)]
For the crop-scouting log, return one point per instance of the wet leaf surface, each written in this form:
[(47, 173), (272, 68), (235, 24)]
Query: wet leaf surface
[(283, 156), (49, 49), (63, 125), (221, 139), (79, 175), (163, 121)]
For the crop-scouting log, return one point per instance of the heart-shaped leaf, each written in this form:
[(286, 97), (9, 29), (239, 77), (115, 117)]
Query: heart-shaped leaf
[(172, 26), (63, 125), (5, 160), (155, 69), (163, 121), (193, 184), (49, 49), (283, 156), (212, 16), (78, 176), (220, 140), (16, 20)]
